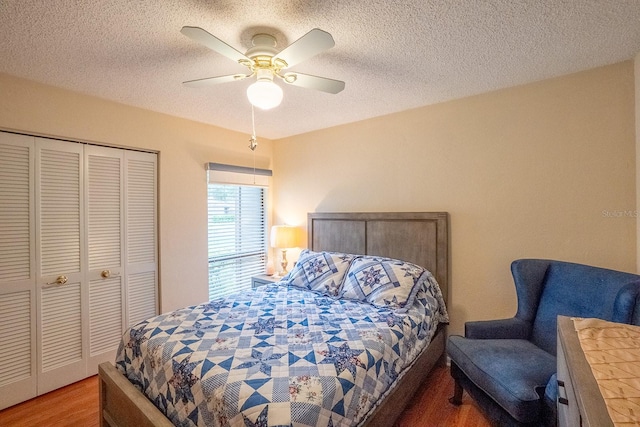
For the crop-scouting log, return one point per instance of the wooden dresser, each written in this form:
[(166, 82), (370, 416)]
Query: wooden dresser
[(579, 400)]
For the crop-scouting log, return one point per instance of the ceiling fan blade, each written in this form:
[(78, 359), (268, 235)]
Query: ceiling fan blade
[(212, 42), (314, 82), (311, 44), (210, 81)]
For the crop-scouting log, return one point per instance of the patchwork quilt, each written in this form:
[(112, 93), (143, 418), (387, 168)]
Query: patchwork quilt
[(277, 356)]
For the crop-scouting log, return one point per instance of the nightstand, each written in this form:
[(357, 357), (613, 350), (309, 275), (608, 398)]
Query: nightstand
[(263, 279)]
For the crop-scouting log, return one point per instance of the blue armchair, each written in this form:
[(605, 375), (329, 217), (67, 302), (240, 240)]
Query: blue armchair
[(508, 366)]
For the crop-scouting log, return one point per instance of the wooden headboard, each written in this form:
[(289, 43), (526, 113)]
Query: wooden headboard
[(418, 237)]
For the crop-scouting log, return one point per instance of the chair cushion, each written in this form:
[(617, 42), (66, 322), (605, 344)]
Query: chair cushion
[(508, 370)]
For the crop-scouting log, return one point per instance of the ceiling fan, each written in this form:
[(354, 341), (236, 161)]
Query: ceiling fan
[(265, 62)]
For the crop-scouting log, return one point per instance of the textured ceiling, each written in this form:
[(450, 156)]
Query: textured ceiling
[(393, 55)]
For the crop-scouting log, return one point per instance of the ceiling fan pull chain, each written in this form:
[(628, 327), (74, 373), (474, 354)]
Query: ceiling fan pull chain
[(254, 167), (253, 142), (253, 123)]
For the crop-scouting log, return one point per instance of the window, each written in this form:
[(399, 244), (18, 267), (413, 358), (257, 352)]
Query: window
[(237, 230)]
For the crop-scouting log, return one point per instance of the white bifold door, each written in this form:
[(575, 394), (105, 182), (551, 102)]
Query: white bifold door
[(78, 258)]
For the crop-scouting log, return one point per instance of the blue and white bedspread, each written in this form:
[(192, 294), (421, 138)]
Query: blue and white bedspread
[(277, 356)]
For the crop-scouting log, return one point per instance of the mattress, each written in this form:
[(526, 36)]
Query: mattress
[(277, 356)]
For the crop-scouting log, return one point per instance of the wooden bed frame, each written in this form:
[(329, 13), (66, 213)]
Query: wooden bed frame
[(418, 237)]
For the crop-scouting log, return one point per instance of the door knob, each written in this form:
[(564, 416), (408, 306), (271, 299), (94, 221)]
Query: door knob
[(106, 274), (60, 280)]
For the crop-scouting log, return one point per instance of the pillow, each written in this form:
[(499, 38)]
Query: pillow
[(383, 282), (321, 272)]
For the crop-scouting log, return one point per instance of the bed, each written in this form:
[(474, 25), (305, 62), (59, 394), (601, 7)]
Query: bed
[(250, 358)]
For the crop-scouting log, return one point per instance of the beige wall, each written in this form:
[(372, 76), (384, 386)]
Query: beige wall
[(184, 147), (637, 98), (542, 170)]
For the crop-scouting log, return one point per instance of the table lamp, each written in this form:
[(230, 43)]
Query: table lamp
[(284, 237)]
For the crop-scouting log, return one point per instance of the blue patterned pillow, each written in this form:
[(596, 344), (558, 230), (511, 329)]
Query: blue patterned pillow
[(383, 282), (322, 272)]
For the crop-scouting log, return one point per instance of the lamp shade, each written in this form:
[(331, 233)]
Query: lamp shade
[(264, 94), (284, 236)]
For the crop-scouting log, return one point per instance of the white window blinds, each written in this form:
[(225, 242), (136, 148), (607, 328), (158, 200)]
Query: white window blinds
[(237, 232)]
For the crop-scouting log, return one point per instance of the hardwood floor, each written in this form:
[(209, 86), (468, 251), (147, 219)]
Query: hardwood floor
[(73, 405), (431, 407), (77, 405)]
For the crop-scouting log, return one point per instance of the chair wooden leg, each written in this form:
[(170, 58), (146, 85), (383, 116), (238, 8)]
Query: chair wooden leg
[(456, 399)]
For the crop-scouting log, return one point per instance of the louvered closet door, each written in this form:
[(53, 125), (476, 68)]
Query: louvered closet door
[(141, 254), (17, 270), (60, 249), (104, 180)]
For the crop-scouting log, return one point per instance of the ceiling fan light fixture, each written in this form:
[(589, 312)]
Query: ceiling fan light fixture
[(264, 93), (265, 62)]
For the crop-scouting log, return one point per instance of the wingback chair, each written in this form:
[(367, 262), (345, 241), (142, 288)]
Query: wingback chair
[(508, 366)]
